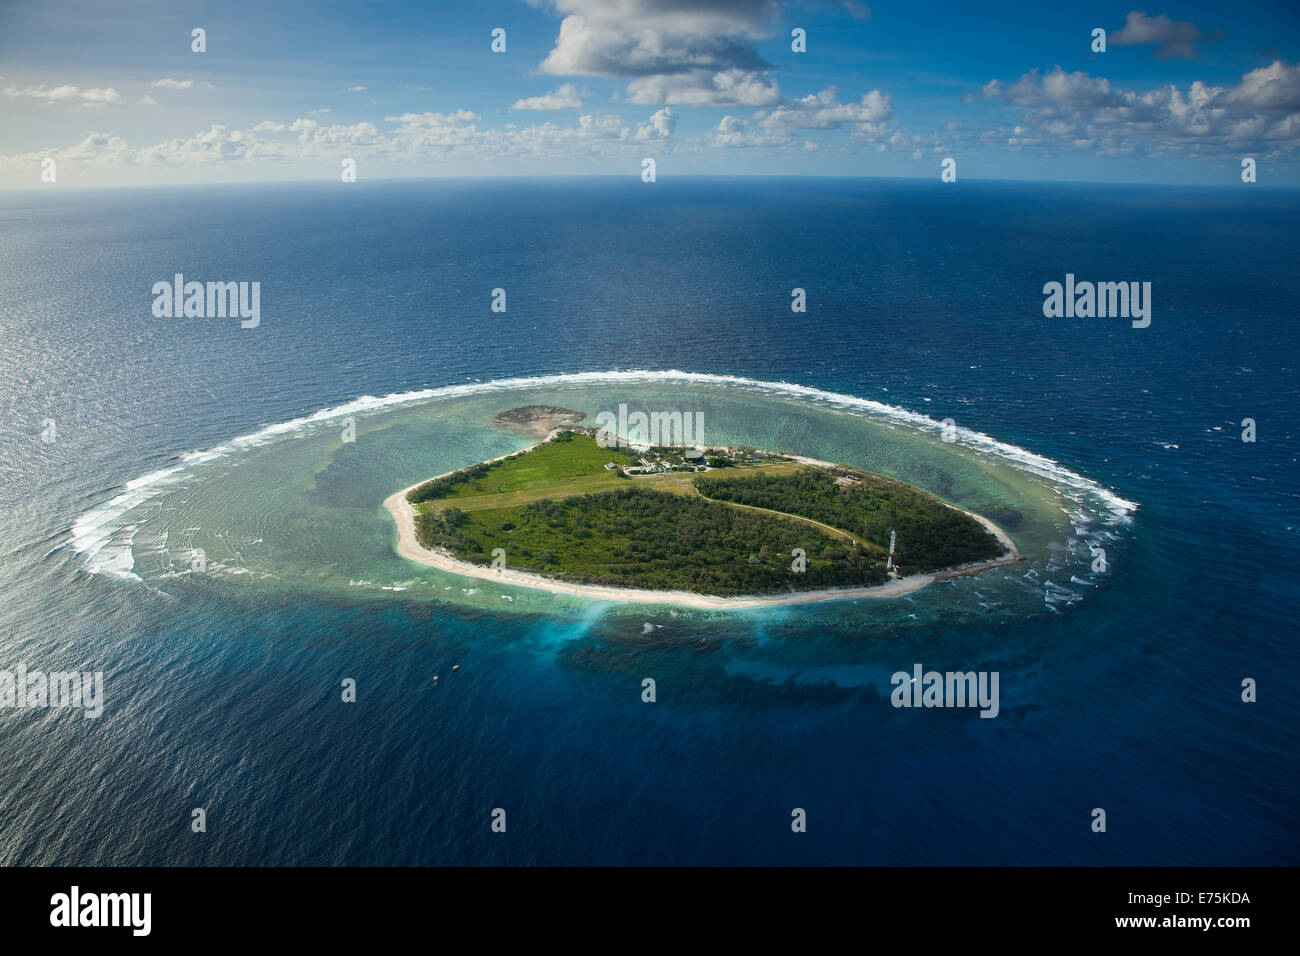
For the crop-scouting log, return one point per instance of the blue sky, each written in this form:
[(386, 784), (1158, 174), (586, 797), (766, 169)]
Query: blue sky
[(287, 90)]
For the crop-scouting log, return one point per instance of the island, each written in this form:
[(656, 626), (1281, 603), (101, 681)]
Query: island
[(709, 527), (538, 420)]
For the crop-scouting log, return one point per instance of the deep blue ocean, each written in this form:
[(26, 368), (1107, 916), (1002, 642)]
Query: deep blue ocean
[(921, 295)]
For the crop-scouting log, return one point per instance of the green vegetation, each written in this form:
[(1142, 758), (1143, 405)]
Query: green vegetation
[(639, 537), (566, 458), (930, 535), (557, 510)]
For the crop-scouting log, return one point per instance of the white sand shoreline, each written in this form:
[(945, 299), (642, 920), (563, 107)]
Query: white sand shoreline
[(408, 547)]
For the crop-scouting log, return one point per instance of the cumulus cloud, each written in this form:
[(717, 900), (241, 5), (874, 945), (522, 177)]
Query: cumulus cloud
[(420, 132), (731, 131), (214, 144), (706, 88), (565, 98), (660, 125), (1269, 88), (313, 134), (356, 89), (408, 138), (1083, 112), (1171, 38), (97, 149), (698, 53), (1058, 88), (823, 110), (168, 83), (102, 150), (458, 134), (65, 93), (781, 126)]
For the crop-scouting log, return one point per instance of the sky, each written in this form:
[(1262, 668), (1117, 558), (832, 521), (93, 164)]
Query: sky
[(116, 95)]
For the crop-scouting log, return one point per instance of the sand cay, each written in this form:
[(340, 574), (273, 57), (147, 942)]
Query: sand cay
[(408, 547)]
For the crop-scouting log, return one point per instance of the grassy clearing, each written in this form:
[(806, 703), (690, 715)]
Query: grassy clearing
[(571, 464), (567, 458)]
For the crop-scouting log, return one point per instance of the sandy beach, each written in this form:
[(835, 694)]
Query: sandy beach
[(408, 547)]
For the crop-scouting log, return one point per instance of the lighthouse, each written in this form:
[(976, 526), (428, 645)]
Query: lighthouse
[(890, 563)]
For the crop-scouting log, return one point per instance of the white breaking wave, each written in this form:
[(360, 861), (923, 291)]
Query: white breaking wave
[(105, 543)]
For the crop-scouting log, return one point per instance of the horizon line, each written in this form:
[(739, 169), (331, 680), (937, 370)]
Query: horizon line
[(633, 177)]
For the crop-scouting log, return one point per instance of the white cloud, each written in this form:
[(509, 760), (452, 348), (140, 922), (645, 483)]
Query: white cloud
[(731, 132), (660, 125), (419, 133), (168, 83), (101, 96), (1272, 87), (1079, 111), (705, 88), (215, 144), (564, 98), (1172, 38), (356, 89), (65, 93), (823, 110), (1059, 88), (147, 100), (698, 53), (314, 136), (408, 138), (781, 126), (97, 149)]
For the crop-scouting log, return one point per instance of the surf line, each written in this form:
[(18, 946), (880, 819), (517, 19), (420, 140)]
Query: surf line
[(95, 529)]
